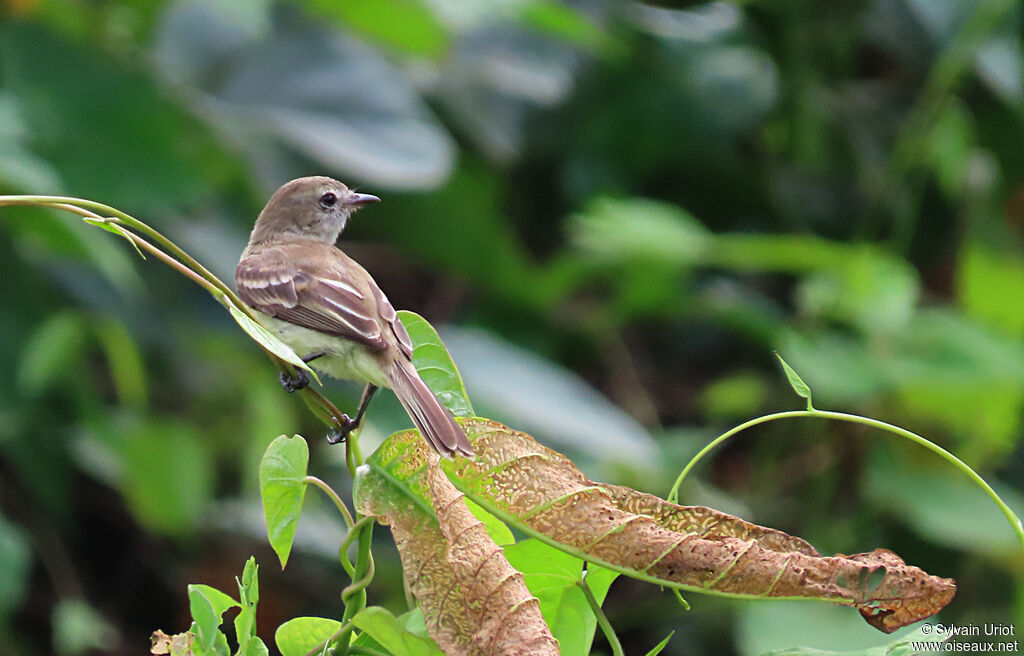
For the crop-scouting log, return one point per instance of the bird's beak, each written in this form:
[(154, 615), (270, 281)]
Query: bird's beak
[(356, 200)]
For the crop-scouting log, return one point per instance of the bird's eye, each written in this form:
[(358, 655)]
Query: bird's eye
[(328, 200)]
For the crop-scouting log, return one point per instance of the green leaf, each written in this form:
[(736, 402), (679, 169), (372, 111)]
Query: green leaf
[(168, 473), (903, 645), (661, 645), (385, 628), (795, 381), (282, 489), (275, 117), (939, 503), (298, 636), (249, 586), (435, 364), (564, 22), (985, 279), (267, 340), (255, 647), (640, 230), (110, 226), (245, 621), (407, 25), (15, 560), (552, 576), (104, 122), (78, 628), (51, 352), (208, 605), (499, 532), (124, 357)]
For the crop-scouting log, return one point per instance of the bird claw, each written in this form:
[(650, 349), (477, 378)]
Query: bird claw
[(348, 424), (293, 383)]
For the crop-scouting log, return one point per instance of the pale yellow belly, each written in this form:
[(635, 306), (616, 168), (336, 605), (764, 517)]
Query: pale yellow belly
[(342, 358)]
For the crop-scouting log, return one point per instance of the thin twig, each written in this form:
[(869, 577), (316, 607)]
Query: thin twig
[(602, 619), (329, 491)]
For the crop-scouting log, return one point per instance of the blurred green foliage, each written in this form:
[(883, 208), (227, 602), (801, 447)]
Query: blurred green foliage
[(620, 209)]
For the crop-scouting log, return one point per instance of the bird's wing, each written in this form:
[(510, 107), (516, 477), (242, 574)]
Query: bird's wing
[(315, 295), (388, 314)]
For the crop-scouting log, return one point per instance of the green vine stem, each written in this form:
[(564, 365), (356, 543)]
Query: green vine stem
[(186, 265), (333, 496), (354, 595), (1015, 523), (602, 619)]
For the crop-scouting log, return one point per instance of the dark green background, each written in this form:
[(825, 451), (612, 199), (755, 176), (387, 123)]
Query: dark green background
[(614, 212)]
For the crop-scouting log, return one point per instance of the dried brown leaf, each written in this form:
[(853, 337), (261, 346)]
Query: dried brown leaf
[(474, 602), (695, 548)]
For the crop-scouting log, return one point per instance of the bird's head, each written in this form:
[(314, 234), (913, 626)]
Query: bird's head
[(315, 208)]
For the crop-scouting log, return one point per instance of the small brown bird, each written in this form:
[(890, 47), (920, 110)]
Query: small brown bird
[(329, 310)]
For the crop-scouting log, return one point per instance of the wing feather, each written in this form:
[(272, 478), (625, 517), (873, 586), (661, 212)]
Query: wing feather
[(309, 296)]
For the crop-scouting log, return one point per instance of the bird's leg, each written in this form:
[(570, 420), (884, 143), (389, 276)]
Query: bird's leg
[(300, 379), (348, 423)]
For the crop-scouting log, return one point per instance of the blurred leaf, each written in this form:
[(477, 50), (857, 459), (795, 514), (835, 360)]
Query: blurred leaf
[(986, 279), (167, 474), (524, 389), (407, 25), (79, 628), (950, 145), (636, 229), (1000, 63), (552, 577), (731, 396), (307, 92), (107, 128), (52, 238), (986, 410), (20, 168), (52, 353), (435, 364), (282, 489), (775, 627), (564, 22), (658, 648), (795, 381), (488, 251), (383, 627), (777, 252), (728, 83), (499, 73), (125, 360), (638, 534), (867, 288), (940, 503), (15, 562), (300, 635), (839, 367)]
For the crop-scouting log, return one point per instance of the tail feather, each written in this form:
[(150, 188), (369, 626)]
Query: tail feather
[(432, 419)]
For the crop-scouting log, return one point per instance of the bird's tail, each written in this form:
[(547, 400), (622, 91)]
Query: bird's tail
[(432, 419)]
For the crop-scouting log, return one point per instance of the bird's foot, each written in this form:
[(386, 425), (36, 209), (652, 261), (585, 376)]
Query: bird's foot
[(294, 383), (348, 424)]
